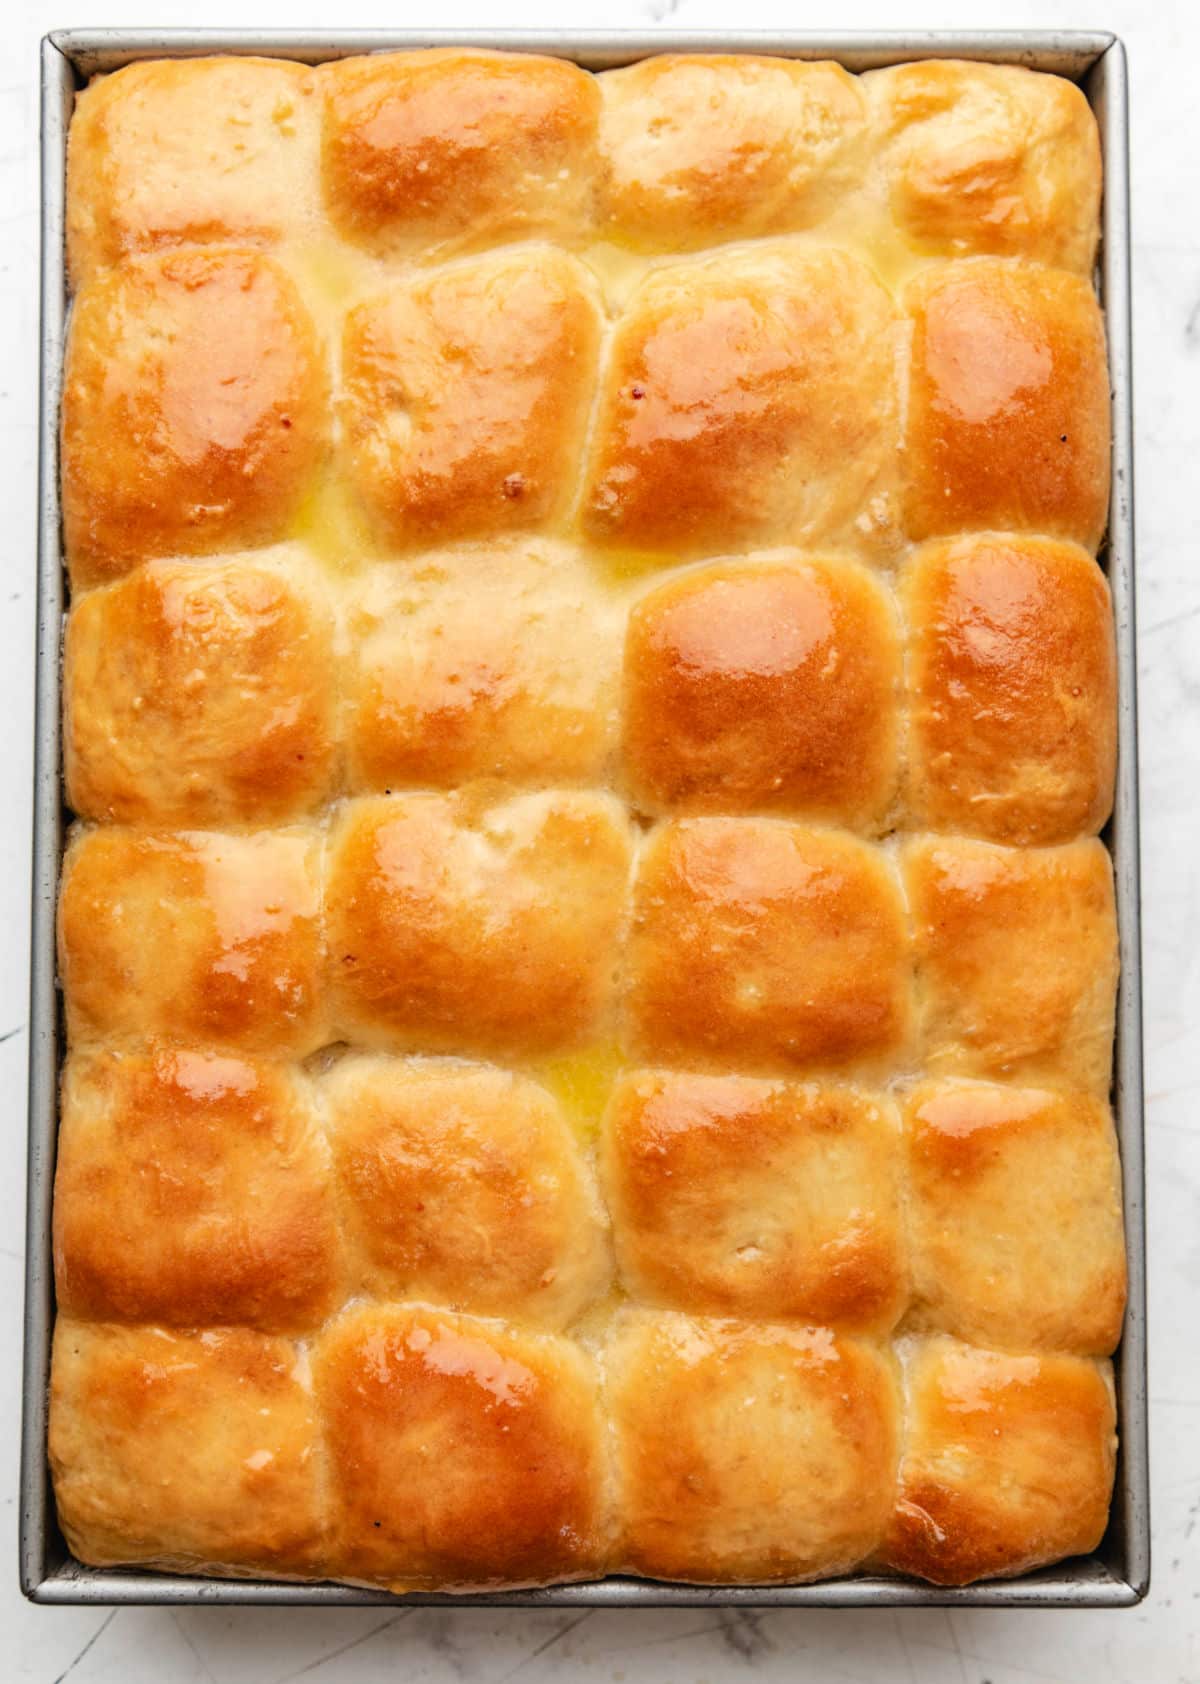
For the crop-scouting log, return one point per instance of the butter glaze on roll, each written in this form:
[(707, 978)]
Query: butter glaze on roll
[(179, 152), (757, 1199), (1008, 423), (436, 1160), (764, 685), (493, 1436), (589, 707), (768, 945), (1008, 1462), (193, 409), (749, 400), (1012, 679), (466, 399), (749, 1453), (434, 149), (697, 150), (215, 1174), (202, 692)]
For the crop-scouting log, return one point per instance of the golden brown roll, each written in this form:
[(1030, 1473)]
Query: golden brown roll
[(1008, 424), (464, 1185), (464, 926), (749, 399), (193, 410), (461, 1453), (201, 693), (1016, 960), (696, 149), (185, 1450), (1008, 1463), (756, 1199), (762, 944), (1015, 1216), (467, 396), (1012, 679), (766, 685), (449, 147), (193, 936), (745, 1453), (989, 158), (187, 151), (491, 660), (192, 1190)]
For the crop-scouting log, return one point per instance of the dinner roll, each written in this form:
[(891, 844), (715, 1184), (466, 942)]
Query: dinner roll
[(463, 1184), (1016, 960), (193, 936), (765, 685), (1008, 423), (748, 1453), (1007, 1464), (185, 1450), (467, 396), (460, 1453), (989, 158), (700, 148), (1012, 677), (1015, 1216), (757, 943), (193, 411), (211, 1174), (488, 660), (201, 692), (457, 926), (748, 400), (732, 1196), (429, 150), (172, 152)]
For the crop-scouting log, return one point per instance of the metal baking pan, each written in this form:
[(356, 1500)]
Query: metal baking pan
[(1118, 1574)]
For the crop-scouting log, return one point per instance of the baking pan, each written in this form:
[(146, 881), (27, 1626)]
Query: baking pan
[(1118, 1574)]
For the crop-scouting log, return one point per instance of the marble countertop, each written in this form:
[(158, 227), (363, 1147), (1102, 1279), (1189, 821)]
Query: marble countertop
[(1157, 1643)]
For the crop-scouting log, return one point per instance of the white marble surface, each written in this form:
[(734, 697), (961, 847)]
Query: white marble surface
[(1158, 1643)]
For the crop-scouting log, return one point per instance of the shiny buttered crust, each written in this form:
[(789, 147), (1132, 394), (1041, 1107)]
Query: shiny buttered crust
[(464, 1185), (749, 399), (764, 685), (697, 150), (460, 1452), (988, 158), (192, 1189), (466, 398), (457, 926), (202, 693), (186, 152), (1014, 1207), (1012, 689), (1008, 1462), (588, 707), (1008, 403), (436, 150), (193, 936), (1016, 952), (194, 409), (765, 944), (757, 1199), (186, 1450), (487, 660), (748, 1453)]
